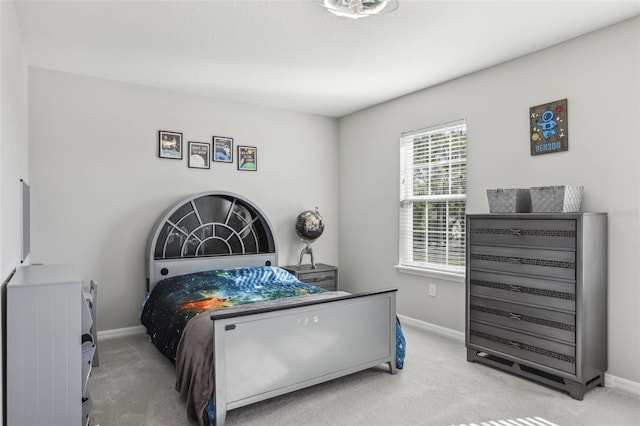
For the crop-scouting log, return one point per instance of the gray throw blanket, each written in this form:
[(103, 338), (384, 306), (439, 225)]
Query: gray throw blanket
[(194, 365)]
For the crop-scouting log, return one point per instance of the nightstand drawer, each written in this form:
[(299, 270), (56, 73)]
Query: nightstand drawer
[(545, 263), (546, 323), (320, 279), (325, 276), (539, 233)]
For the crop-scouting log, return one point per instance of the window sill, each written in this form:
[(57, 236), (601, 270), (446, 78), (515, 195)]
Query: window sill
[(457, 277)]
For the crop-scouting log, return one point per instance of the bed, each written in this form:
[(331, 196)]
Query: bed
[(240, 329)]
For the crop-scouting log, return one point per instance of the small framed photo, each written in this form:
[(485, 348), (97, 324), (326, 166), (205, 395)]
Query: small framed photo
[(170, 145), (247, 158), (222, 149), (199, 154)]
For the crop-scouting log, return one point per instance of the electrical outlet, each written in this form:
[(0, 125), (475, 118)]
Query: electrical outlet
[(432, 290)]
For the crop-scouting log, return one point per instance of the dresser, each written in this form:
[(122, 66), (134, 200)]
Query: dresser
[(49, 347), (325, 276), (536, 296)]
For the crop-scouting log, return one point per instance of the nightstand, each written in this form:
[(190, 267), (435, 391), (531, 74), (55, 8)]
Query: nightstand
[(325, 276)]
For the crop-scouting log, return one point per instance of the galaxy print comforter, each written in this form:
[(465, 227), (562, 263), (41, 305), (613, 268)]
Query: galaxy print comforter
[(176, 300)]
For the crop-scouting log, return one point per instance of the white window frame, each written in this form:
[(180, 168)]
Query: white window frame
[(424, 268)]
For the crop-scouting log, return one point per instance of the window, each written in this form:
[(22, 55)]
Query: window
[(433, 186)]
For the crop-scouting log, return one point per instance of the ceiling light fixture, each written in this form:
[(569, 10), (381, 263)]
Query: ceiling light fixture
[(356, 9)]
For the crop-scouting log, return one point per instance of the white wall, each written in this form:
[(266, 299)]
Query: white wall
[(98, 184), (599, 74), (14, 146), (14, 143)]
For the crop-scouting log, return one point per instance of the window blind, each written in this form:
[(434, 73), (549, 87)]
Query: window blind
[(433, 185)]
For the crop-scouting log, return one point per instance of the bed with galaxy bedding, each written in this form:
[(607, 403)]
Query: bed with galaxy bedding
[(238, 328)]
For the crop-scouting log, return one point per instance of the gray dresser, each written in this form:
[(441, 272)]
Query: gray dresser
[(47, 361), (536, 296)]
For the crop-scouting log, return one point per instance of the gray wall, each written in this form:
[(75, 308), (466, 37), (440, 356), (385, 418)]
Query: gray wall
[(14, 142), (14, 139), (98, 185), (599, 75)]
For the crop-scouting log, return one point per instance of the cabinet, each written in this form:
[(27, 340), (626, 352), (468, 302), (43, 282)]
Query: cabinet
[(536, 296), (325, 276), (49, 348)]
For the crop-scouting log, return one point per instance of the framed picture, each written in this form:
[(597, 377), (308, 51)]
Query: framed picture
[(199, 154), (247, 158), (549, 128), (222, 149), (170, 145)]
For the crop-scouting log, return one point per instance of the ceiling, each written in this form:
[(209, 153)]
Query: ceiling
[(293, 54)]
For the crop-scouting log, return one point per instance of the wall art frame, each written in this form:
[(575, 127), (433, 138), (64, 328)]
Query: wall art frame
[(199, 155), (222, 149), (247, 158), (170, 145), (549, 128)]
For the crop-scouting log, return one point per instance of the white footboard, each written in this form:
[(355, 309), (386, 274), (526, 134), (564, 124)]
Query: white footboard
[(261, 355)]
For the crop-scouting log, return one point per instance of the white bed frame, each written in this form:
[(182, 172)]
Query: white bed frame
[(261, 354)]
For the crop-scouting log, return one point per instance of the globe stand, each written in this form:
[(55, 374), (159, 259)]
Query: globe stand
[(309, 251)]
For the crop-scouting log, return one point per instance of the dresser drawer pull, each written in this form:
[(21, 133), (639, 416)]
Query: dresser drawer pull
[(515, 260), (515, 288), (515, 344), (515, 316), (515, 231)]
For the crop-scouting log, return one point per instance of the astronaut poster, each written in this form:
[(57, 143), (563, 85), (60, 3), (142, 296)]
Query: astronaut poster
[(549, 125), (247, 158)]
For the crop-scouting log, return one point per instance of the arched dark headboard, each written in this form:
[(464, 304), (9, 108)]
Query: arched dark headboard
[(211, 230)]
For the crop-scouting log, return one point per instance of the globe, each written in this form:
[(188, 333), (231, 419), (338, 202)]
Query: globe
[(309, 226)]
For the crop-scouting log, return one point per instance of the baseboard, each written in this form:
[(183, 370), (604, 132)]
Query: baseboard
[(610, 380), (121, 332), (458, 335), (619, 383)]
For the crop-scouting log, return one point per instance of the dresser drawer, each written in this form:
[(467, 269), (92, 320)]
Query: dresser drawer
[(552, 324), (552, 294), (545, 263), (532, 233), (525, 347)]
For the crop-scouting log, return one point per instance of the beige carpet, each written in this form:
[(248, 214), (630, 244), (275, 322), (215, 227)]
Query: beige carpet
[(134, 386)]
